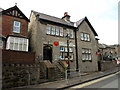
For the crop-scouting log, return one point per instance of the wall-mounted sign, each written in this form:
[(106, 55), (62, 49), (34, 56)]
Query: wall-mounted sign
[(65, 44), (56, 43)]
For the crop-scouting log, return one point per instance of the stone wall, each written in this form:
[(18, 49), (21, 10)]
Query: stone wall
[(15, 75), (105, 65)]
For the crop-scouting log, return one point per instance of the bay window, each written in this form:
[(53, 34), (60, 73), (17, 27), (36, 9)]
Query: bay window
[(16, 43)]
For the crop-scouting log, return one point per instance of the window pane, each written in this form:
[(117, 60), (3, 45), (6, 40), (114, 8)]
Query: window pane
[(61, 48), (66, 56), (70, 49), (21, 40), (71, 33), (83, 50), (87, 56), (83, 56), (90, 57), (53, 30), (12, 39), (62, 55), (82, 38), (25, 41), (48, 29), (71, 56), (11, 46), (85, 37), (89, 51), (20, 46), (16, 27), (61, 31), (24, 47), (16, 46), (88, 37), (1, 43), (57, 31), (66, 50)]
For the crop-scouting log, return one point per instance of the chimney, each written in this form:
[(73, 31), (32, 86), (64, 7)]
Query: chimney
[(66, 17)]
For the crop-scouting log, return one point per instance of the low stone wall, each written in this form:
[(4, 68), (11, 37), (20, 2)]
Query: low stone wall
[(15, 75), (105, 65)]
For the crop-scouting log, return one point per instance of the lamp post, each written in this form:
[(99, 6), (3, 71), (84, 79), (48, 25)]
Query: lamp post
[(68, 68)]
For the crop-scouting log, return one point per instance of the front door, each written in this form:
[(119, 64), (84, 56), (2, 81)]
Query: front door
[(47, 53)]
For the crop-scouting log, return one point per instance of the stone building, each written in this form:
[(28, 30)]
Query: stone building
[(109, 52), (52, 38), (87, 44)]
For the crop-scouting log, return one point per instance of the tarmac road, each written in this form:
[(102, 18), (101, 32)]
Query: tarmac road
[(111, 81)]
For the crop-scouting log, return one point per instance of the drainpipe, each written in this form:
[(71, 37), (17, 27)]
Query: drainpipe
[(76, 47)]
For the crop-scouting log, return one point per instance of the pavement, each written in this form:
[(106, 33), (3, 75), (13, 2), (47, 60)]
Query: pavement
[(62, 84)]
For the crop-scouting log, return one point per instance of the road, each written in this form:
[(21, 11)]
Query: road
[(110, 81)]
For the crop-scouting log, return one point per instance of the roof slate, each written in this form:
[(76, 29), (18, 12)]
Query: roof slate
[(54, 19), (62, 21)]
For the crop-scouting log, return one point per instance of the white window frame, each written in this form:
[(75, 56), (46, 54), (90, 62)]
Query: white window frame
[(61, 32), (48, 29), (16, 41), (86, 54), (81, 36), (52, 30), (57, 31), (84, 37), (64, 53), (16, 26)]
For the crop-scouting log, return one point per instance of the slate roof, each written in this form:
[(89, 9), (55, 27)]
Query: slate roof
[(78, 23), (54, 19), (63, 22)]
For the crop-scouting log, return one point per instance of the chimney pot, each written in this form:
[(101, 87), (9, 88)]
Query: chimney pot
[(66, 13), (66, 16)]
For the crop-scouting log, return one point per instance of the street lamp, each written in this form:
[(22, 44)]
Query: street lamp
[(68, 68)]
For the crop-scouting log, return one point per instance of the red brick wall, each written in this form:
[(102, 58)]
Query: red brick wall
[(7, 25), (17, 57)]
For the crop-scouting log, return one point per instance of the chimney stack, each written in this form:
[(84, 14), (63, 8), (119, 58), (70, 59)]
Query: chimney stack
[(66, 17)]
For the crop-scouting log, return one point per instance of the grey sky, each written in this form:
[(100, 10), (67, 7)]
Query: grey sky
[(103, 14)]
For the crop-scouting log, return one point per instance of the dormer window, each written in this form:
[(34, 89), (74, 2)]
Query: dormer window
[(16, 26)]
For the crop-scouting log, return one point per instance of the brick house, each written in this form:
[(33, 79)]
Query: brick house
[(14, 28), (49, 38), (14, 32)]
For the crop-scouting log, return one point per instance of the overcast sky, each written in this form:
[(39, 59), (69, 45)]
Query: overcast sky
[(102, 14)]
